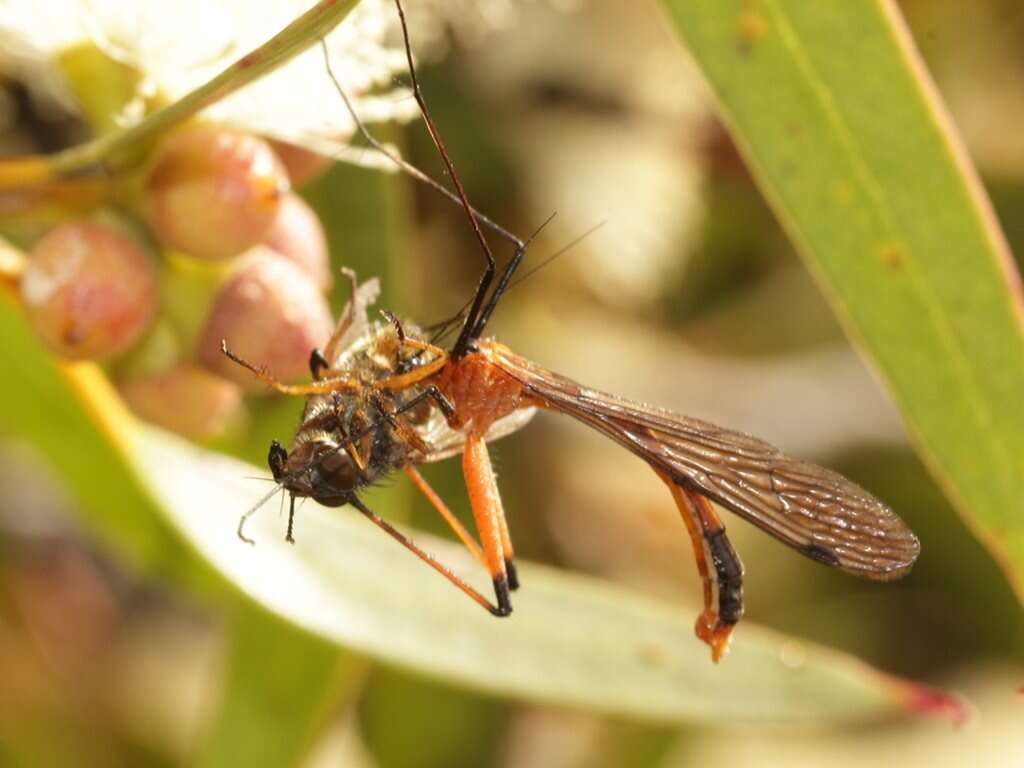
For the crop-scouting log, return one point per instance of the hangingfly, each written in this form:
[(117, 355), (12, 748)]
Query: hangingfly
[(385, 397)]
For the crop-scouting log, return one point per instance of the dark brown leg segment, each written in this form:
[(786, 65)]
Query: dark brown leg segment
[(719, 567), (427, 558)]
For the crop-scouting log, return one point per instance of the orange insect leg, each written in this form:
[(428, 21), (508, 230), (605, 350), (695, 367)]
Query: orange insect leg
[(453, 522), (320, 387), (419, 373), (506, 547), (703, 525), (488, 515)]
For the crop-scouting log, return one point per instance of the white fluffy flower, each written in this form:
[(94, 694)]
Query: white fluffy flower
[(179, 46)]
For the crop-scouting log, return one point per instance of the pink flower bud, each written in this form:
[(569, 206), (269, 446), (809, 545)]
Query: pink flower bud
[(270, 313), (89, 290), (186, 400), (298, 235), (214, 192)]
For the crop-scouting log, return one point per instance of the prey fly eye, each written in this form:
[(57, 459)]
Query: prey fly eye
[(276, 459), (334, 477)]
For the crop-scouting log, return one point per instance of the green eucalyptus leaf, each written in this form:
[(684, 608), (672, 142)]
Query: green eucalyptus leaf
[(280, 687), (843, 130), (572, 640)]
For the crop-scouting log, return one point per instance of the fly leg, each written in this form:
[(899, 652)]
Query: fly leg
[(403, 430), (321, 387), (427, 558), (442, 509)]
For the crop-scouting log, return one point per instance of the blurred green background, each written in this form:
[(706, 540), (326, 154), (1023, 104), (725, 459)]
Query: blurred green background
[(689, 296)]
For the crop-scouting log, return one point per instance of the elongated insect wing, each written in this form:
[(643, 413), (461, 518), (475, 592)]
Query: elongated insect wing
[(816, 511)]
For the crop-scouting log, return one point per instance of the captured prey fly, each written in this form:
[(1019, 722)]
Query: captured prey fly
[(385, 397)]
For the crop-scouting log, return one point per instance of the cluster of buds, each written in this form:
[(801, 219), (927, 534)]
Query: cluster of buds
[(211, 243), (219, 247)]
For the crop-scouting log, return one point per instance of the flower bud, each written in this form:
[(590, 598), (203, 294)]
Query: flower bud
[(88, 290), (298, 235), (213, 192), (271, 314), (187, 400)]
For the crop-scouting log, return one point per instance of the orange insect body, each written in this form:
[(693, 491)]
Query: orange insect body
[(387, 399), (384, 397), (480, 392)]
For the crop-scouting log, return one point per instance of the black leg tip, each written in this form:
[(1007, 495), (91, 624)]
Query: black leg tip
[(504, 607), (513, 575)]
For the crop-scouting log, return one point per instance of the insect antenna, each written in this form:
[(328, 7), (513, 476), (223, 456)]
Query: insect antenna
[(252, 511), (439, 330), (505, 280), (560, 252)]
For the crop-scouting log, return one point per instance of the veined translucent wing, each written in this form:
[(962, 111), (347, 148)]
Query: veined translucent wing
[(446, 442), (814, 510)]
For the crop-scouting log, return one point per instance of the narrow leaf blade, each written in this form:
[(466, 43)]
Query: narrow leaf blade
[(845, 134), (572, 640)]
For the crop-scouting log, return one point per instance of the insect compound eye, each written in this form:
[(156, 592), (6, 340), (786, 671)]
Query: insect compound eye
[(338, 471), (331, 477), (276, 460)]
